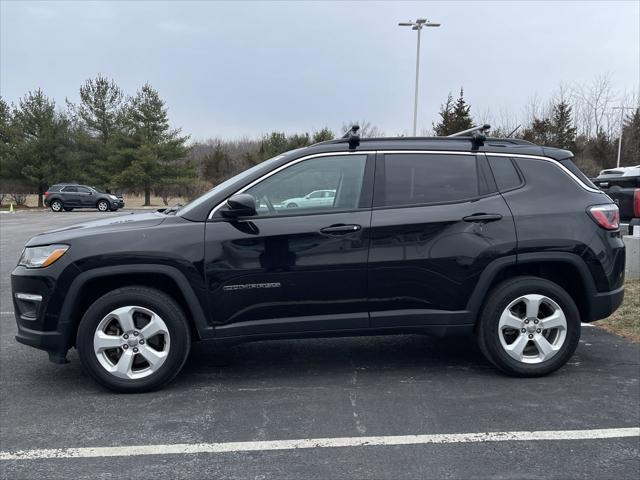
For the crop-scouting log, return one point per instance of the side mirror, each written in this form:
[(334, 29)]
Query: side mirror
[(240, 205)]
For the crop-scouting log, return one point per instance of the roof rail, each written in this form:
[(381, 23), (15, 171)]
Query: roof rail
[(482, 129)]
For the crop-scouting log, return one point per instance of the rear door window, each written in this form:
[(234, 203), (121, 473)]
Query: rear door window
[(424, 178)]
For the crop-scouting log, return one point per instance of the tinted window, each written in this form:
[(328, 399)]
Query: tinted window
[(429, 178), (505, 173), (288, 191), (83, 190), (568, 163), (70, 189)]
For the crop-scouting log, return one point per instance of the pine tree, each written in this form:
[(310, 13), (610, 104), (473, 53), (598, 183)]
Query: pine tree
[(7, 142), (42, 141), (153, 153), (562, 131), (454, 117), (539, 132), (461, 117), (443, 127), (98, 124), (630, 154)]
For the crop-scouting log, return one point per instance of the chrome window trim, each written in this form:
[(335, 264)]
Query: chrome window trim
[(442, 152), (287, 165)]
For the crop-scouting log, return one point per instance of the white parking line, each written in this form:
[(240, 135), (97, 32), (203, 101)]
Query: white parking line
[(307, 443)]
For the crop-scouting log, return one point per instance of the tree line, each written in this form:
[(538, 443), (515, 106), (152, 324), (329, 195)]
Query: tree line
[(579, 118), (126, 143)]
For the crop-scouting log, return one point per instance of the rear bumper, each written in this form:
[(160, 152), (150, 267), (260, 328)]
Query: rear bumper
[(604, 304)]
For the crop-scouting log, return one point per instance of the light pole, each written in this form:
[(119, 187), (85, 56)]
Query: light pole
[(417, 25), (622, 109)]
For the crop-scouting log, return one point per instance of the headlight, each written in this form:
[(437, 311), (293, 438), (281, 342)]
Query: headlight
[(40, 257), (113, 197)]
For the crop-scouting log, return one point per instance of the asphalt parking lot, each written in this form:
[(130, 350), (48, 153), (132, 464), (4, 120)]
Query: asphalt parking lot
[(348, 407)]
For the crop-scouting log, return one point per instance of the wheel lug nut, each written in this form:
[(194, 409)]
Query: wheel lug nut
[(538, 331), (536, 321), (524, 330), (141, 342), (125, 346), (125, 336), (135, 349), (526, 321), (135, 334), (530, 335)]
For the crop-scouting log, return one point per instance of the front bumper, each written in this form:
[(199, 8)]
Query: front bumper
[(37, 302)]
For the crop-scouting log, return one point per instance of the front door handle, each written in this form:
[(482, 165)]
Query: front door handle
[(483, 217), (340, 229)]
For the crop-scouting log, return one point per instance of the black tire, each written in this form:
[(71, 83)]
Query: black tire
[(68, 209), (292, 205), (56, 205), (154, 300), (103, 206), (488, 335)]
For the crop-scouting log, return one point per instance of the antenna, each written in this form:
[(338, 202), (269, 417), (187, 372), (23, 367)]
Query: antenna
[(514, 131)]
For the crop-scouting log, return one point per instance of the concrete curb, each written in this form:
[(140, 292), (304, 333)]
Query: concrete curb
[(632, 265)]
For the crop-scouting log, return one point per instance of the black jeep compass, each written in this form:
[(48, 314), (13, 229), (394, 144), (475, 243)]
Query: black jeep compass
[(498, 238)]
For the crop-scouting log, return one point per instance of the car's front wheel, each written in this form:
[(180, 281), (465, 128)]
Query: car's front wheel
[(103, 206), (133, 339), (529, 327), (56, 206)]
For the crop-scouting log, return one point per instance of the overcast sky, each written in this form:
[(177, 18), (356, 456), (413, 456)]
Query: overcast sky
[(229, 69)]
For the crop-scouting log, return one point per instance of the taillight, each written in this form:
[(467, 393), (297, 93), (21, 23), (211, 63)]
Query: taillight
[(46, 194), (607, 216), (636, 202)]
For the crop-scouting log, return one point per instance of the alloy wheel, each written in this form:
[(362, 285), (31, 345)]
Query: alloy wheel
[(131, 342), (532, 328)]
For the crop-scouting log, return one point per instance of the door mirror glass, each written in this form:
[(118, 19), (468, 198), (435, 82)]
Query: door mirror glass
[(240, 205)]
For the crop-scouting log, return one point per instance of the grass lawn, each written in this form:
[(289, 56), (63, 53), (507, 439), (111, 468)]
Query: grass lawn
[(626, 320)]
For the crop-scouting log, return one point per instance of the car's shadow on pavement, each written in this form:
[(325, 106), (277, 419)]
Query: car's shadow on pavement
[(320, 358)]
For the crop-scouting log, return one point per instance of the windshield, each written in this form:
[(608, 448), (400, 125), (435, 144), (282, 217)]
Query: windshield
[(99, 190), (205, 197)]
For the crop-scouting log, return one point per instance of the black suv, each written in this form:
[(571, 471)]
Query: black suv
[(445, 236), (67, 196)]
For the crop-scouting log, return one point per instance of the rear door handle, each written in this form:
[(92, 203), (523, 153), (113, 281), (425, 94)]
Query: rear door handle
[(340, 229), (483, 217)]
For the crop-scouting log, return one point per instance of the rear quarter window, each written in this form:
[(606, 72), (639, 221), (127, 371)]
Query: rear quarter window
[(573, 168), (505, 173)]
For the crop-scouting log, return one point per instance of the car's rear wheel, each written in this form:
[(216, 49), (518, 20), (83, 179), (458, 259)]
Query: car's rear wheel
[(292, 205), (103, 206), (56, 205), (529, 327), (133, 339)]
